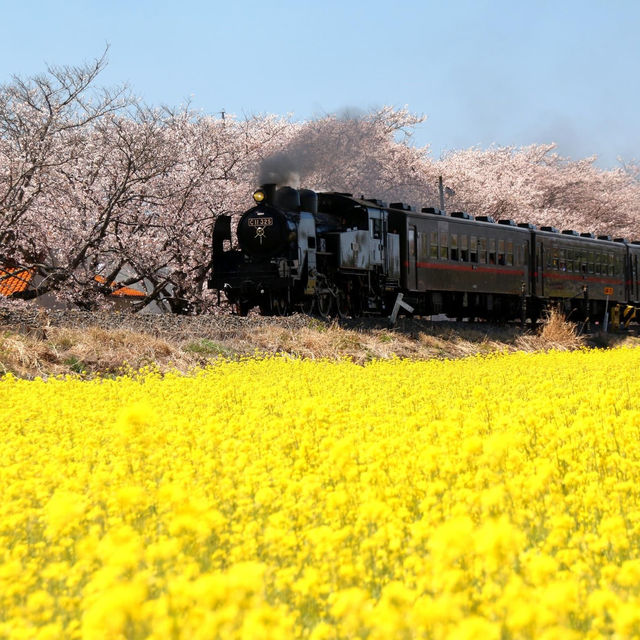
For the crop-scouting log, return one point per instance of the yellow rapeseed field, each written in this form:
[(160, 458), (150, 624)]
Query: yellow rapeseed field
[(492, 497)]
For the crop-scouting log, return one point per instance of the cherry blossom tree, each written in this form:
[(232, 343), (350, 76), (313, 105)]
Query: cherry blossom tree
[(213, 162), (631, 168), (42, 120), (535, 184)]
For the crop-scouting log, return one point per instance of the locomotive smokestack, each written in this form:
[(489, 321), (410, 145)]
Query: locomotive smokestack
[(269, 192)]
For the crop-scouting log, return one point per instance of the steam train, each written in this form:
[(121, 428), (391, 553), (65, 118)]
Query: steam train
[(335, 254)]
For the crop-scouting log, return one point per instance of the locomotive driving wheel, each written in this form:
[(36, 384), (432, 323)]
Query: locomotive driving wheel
[(280, 306), (324, 304), (343, 304), (308, 305)]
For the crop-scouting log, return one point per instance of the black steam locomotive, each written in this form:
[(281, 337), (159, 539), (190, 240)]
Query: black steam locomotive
[(333, 254)]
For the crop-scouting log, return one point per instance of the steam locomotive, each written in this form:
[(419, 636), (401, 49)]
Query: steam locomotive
[(335, 254)]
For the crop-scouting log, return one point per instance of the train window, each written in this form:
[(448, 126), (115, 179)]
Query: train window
[(474, 249), (453, 244), (433, 249), (590, 261), (562, 265), (510, 253), (611, 264), (598, 264), (570, 259), (501, 259), (482, 250), (412, 242), (492, 250), (376, 228), (555, 259), (464, 248), (583, 263), (444, 245)]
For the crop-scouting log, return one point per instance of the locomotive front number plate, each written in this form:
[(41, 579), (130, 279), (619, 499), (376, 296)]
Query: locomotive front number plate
[(260, 222)]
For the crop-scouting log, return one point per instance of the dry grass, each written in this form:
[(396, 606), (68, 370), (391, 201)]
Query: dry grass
[(64, 351), (104, 350), (557, 333), (59, 350)]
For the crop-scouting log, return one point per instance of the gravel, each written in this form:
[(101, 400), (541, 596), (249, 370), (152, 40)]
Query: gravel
[(28, 320), (34, 320)]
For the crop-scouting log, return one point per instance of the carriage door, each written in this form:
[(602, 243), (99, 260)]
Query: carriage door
[(412, 274), (525, 260), (634, 277), (539, 270)]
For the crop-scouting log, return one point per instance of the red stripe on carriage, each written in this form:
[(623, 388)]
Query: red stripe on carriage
[(580, 278), (469, 268)]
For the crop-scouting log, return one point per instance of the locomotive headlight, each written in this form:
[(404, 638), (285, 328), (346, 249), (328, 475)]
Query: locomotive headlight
[(258, 195)]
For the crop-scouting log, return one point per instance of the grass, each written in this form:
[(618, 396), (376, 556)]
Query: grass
[(59, 351), (557, 333), (208, 349)]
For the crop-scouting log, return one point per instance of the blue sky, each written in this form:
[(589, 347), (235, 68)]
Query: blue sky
[(503, 72)]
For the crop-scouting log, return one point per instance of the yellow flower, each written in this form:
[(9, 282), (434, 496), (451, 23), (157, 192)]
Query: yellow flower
[(64, 510), (112, 609), (444, 499)]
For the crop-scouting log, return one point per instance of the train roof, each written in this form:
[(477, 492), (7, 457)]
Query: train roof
[(569, 235), (343, 199)]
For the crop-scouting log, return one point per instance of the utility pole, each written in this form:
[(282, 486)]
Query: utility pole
[(443, 191)]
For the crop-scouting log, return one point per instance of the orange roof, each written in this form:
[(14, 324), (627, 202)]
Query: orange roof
[(122, 291), (14, 280)]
